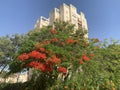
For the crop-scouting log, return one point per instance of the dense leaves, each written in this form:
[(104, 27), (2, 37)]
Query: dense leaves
[(8, 47), (62, 59)]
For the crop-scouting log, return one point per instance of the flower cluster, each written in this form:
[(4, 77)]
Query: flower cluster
[(53, 31), (40, 66), (54, 40), (86, 58), (81, 62), (46, 42), (40, 60), (42, 49), (91, 55), (63, 43), (62, 70), (37, 55), (23, 57), (55, 60), (45, 59), (71, 41)]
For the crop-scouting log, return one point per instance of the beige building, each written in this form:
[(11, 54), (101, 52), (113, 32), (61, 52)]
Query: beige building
[(15, 78), (42, 21), (64, 13)]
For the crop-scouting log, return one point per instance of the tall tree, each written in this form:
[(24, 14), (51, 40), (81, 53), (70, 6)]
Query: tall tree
[(8, 47)]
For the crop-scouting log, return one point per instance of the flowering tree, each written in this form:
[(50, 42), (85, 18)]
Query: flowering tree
[(63, 59)]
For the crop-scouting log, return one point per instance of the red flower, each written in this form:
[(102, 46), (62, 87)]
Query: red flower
[(23, 57), (33, 64), (81, 62), (53, 31), (85, 58), (42, 49), (49, 61), (62, 70), (70, 41), (91, 55), (62, 43), (34, 54), (54, 40), (42, 56), (44, 67), (48, 67), (41, 66), (46, 42), (37, 55), (55, 60)]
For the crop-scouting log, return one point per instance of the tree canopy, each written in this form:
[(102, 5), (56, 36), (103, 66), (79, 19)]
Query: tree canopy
[(62, 59)]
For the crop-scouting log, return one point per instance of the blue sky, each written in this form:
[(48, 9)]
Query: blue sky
[(19, 16)]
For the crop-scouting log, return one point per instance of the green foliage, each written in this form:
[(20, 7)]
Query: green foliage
[(8, 48), (16, 86), (26, 47), (14, 64), (100, 69)]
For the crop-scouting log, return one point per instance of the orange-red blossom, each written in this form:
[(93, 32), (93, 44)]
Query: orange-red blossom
[(23, 57), (40, 66), (37, 55), (53, 31), (85, 58), (62, 70)]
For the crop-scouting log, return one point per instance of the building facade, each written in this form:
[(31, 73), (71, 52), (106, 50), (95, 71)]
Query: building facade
[(42, 21), (15, 78), (64, 13)]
